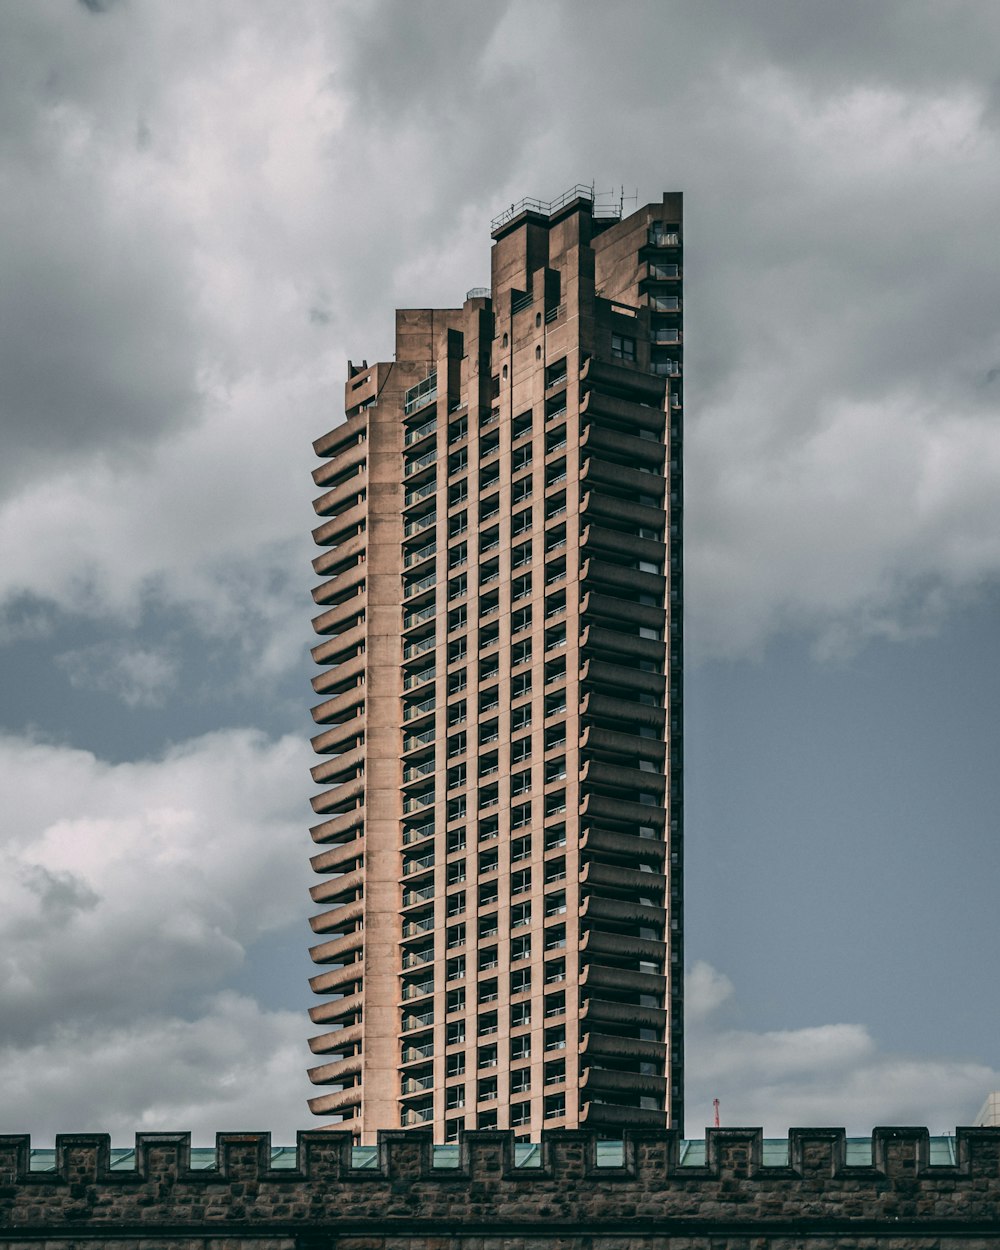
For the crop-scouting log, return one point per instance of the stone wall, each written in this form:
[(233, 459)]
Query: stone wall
[(818, 1202)]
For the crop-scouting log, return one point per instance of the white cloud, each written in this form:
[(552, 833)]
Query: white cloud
[(139, 676), (234, 1067), (148, 886), (832, 1074)]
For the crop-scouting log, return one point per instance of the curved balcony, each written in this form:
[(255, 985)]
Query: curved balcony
[(336, 948), (342, 1100), (622, 381), (615, 877), (623, 911), (597, 942), (621, 811), (340, 737), (337, 769), (607, 1011), (606, 977), (347, 494), (619, 677), (338, 857), (338, 588), (600, 440), (334, 802), (597, 504), (615, 1046), (610, 742), (608, 1080), (330, 1073), (602, 542), (337, 978), (345, 555), (341, 677), (606, 607), (342, 647), (337, 1008), (343, 707), (338, 467), (342, 889), (620, 777), (603, 843), (340, 437), (596, 472), (614, 1116), (334, 830), (334, 621), (600, 639), (349, 521), (597, 405), (336, 1040), (622, 577), (337, 917), (606, 707)]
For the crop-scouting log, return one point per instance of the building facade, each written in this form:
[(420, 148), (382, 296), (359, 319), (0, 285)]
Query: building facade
[(500, 933)]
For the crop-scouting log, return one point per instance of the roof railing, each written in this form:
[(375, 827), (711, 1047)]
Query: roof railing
[(604, 204)]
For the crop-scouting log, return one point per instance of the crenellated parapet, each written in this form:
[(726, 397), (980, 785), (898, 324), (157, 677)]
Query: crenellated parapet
[(649, 1197)]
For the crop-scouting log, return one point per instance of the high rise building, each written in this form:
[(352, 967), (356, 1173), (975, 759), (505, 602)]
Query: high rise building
[(501, 927)]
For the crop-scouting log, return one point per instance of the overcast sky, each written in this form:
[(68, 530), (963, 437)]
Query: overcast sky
[(205, 209)]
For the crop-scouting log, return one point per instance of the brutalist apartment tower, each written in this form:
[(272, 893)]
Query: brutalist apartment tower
[(500, 933)]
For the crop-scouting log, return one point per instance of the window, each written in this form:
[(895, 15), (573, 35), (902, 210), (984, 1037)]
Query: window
[(555, 373), (520, 915), (456, 903), (454, 1065), (622, 348), (520, 588), (486, 1089), (555, 937), (520, 652), (521, 490), (520, 1014), (454, 1034), (488, 862), (488, 958), (490, 892), (555, 971), (487, 1057), (555, 1004), (454, 1097), (520, 948), (489, 828), (521, 619), (488, 926), (456, 778), (456, 936), (453, 1129), (555, 1106), (555, 904), (555, 870), (555, 1038), (520, 849), (520, 817), (520, 459), (489, 731), (456, 1000), (520, 718), (520, 882), (520, 685), (520, 783), (456, 744), (555, 1071), (520, 1113), (520, 979), (520, 1081), (488, 991), (520, 1047), (457, 713), (455, 968), (486, 1119), (488, 1024), (456, 841)]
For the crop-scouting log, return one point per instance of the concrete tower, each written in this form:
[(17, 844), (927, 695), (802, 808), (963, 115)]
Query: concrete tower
[(500, 940)]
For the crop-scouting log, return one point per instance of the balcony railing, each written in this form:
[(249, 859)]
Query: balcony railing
[(412, 741), (419, 396), (417, 832), (419, 432), (415, 588), (415, 618), (421, 553), (418, 896), (413, 496), (418, 1052), (421, 523), (417, 802), (413, 649)]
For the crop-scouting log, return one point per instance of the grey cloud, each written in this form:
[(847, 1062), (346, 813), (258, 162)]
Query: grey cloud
[(99, 6), (139, 676)]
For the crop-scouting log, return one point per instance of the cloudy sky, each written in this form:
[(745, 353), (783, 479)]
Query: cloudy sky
[(206, 209)]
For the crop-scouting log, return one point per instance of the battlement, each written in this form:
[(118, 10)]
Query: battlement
[(565, 1185)]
